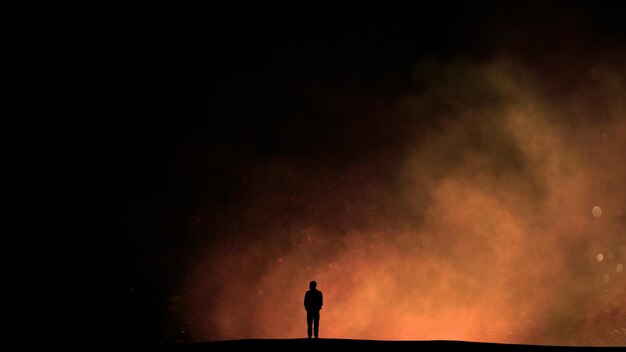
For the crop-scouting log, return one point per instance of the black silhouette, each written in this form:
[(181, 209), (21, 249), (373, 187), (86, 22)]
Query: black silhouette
[(313, 301)]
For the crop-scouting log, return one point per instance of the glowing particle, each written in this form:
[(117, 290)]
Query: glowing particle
[(596, 211), (606, 278), (619, 268), (600, 257)]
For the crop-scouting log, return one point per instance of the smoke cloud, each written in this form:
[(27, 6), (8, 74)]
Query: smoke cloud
[(486, 203)]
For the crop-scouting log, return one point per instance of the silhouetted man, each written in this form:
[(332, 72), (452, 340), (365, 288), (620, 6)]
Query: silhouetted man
[(313, 301)]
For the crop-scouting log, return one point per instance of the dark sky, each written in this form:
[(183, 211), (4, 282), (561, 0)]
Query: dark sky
[(186, 123)]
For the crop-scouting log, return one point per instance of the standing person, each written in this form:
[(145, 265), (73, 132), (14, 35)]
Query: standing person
[(313, 301)]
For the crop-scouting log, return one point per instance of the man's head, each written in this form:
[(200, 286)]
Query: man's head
[(312, 285)]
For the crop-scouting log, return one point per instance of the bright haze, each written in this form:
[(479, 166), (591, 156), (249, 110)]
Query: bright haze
[(460, 182)]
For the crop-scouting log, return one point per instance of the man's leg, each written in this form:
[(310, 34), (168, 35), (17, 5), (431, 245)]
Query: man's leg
[(309, 322), (316, 319)]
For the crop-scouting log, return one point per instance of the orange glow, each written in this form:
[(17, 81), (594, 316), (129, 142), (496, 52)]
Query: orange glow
[(478, 229)]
